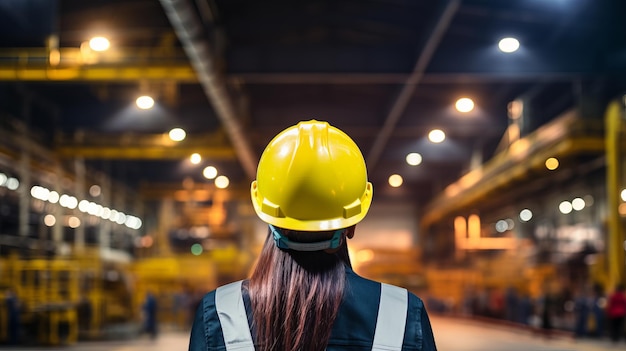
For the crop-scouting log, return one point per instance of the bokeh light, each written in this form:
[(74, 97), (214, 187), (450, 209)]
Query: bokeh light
[(177, 134), (395, 180), (413, 159), (464, 105), (508, 45), (436, 136)]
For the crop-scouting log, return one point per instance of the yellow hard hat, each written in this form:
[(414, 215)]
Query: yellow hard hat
[(311, 177)]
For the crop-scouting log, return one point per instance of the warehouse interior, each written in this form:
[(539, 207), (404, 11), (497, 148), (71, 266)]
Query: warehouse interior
[(104, 200)]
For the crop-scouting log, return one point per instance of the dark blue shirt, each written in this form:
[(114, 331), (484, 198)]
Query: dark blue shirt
[(353, 329)]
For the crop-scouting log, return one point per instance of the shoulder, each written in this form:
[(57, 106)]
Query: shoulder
[(359, 312), (364, 286), (206, 330)]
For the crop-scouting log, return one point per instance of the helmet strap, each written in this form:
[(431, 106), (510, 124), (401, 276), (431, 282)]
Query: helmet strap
[(282, 242)]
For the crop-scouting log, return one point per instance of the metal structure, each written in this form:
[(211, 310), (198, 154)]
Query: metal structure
[(235, 73), (589, 155), (386, 79)]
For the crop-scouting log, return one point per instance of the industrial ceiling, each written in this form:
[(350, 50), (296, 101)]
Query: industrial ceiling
[(233, 73)]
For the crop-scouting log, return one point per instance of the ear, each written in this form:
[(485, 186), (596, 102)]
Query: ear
[(350, 232)]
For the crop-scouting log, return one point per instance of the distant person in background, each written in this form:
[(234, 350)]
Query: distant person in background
[(311, 190), (616, 312), (597, 316), (150, 315), (549, 305), (13, 314), (582, 308), (511, 304)]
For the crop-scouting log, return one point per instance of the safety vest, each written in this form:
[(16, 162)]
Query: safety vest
[(388, 335)]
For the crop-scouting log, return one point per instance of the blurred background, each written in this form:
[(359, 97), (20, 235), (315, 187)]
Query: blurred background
[(130, 131)]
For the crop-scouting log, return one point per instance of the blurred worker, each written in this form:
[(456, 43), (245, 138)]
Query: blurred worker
[(549, 305), (597, 316), (616, 312), (150, 315), (13, 314), (583, 303), (312, 190)]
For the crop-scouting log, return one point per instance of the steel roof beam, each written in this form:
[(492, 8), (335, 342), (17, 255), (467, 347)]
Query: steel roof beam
[(190, 32), (399, 104)]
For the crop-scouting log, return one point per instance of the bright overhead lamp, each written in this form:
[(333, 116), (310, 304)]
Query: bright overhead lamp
[(578, 204), (195, 158), (525, 215), (177, 134), (508, 45), (222, 182), (99, 44), (565, 207), (464, 105), (413, 159), (209, 172), (145, 102), (436, 136), (552, 163), (395, 180)]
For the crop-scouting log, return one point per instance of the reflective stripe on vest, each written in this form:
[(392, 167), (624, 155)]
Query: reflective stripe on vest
[(391, 319), (388, 336), (233, 319)]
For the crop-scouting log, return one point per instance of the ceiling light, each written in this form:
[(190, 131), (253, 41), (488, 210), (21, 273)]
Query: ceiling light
[(49, 220), (395, 180), (501, 226), (99, 44), (525, 215), (53, 197), (95, 190), (464, 105), (413, 159), (209, 172), (145, 102), (177, 134), (436, 136), (73, 222), (552, 163), (222, 182), (578, 204), (565, 207), (12, 183), (508, 45), (195, 158)]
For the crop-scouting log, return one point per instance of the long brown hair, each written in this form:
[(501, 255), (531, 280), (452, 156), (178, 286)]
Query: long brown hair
[(295, 296)]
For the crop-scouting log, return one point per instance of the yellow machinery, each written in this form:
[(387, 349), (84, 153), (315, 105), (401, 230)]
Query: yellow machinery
[(62, 298), (568, 138), (178, 282), (48, 294), (105, 292), (4, 316)]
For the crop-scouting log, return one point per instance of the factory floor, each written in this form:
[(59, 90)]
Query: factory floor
[(451, 334)]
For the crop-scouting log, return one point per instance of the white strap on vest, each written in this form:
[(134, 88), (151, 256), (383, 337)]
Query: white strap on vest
[(388, 336), (391, 321), (233, 319)]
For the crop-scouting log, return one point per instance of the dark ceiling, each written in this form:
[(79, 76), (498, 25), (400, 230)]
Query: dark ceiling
[(385, 71)]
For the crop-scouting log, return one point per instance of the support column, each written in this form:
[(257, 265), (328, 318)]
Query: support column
[(79, 233), (615, 239), (104, 230), (165, 220), (24, 189), (57, 211)]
